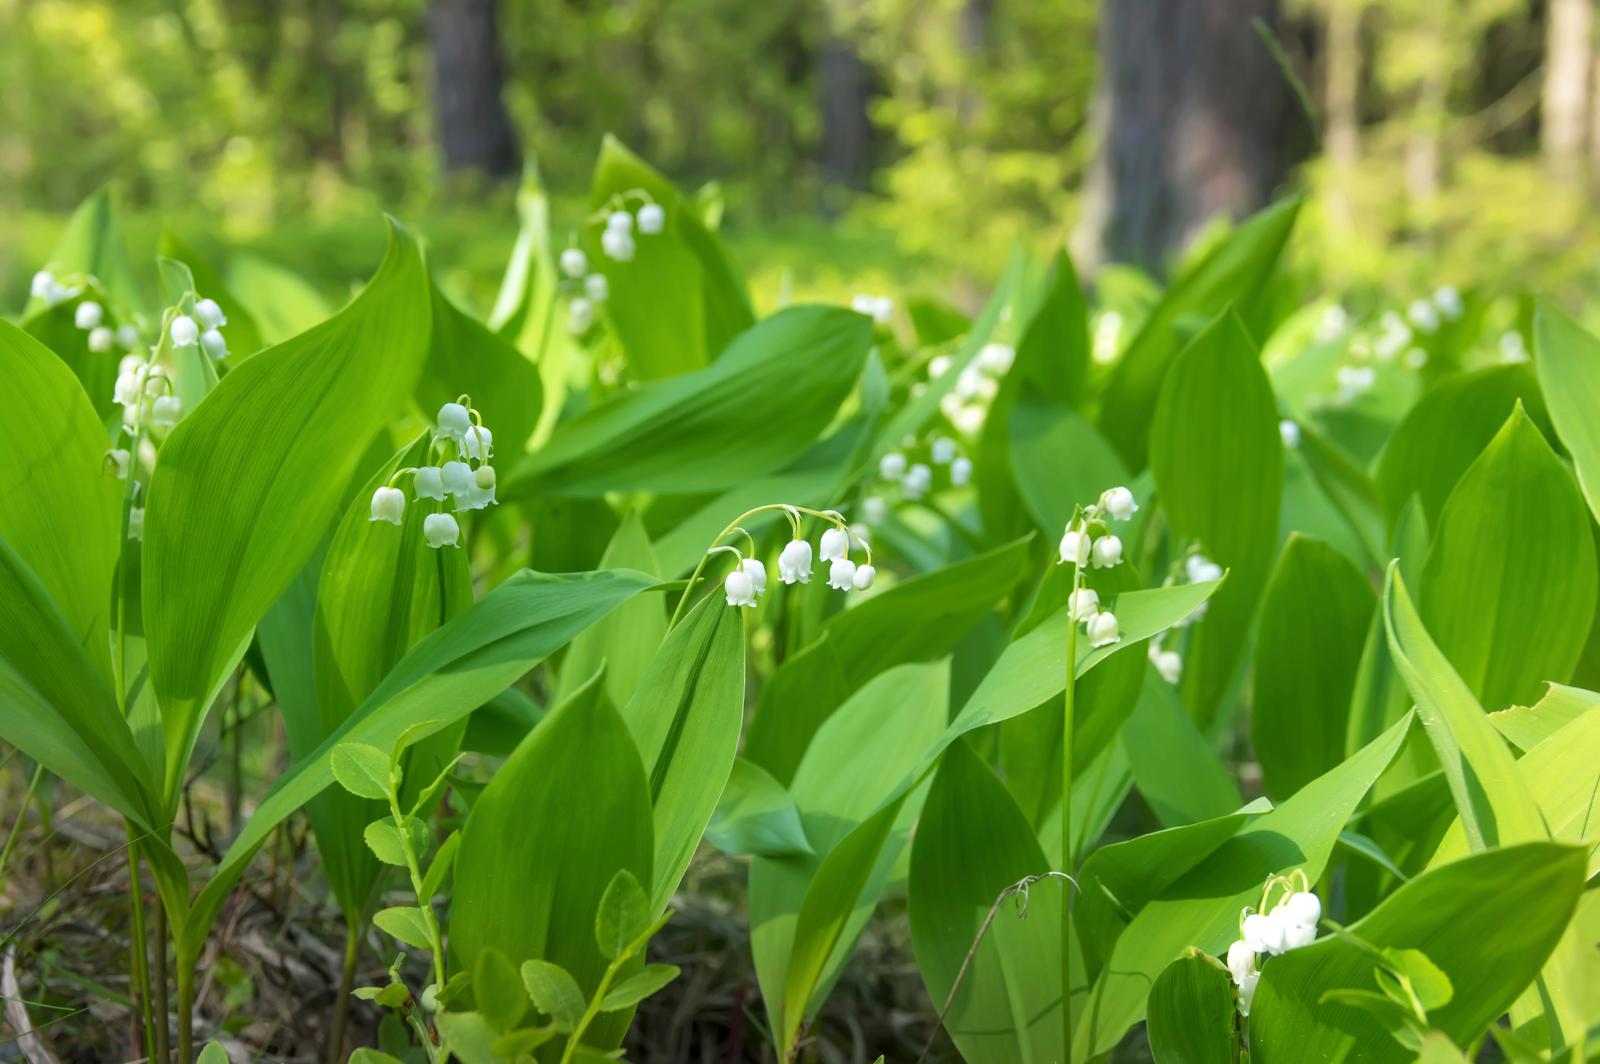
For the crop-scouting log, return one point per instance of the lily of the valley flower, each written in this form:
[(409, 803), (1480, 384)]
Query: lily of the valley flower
[(454, 420), (943, 450), (389, 504), (209, 314), (1106, 552), (119, 458), (892, 466), (863, 577), (652, 218), (874, 509), (477, 443), (1074, 548), (136, 523), (1289, 433), (1242, 967), (574, 262), (580, 315), (441, 530), (214, 344), (43, 282), (757, 573), (185, 333), (1169, 663), (997, 358), (457, 478), (100, 339), (960, 471), (617, 243), (1102, 629), (842, 574), (428, 482), (128, 335), (166, 410), (835, 545), (794, 563), (597, 287), (619, 222), (88, 315), (1201, 569), (1119, 503), (1083, 603), (740, 588), (917, 481)]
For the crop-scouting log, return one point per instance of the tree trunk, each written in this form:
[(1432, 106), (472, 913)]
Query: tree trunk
[(474, 129), (845, 153), (1341, 103), (1194, 118), (1563, 119)]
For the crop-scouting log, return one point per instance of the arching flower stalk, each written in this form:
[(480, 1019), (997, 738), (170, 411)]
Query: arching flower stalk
[(1272, 928)]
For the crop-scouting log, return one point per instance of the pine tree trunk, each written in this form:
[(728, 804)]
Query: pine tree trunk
[(1341, 102), (1564, 100), (474, 129)]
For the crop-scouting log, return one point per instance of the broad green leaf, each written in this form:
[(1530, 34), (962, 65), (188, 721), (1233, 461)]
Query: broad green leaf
[(638, 986), (465, 356), (468, 1037), (1176, 767), (248, 481), (1514, 534), (1305, 663), (623, 916), (525, 308), (1234, 272), (1218, 464), (1202, 907), (404, 922), (282, 302), (685, 720), (1528, 726), (756, 816), (1379, 696), (757, 407), (619, 641), (554, 992), (243, 335), (498, 990), (1569, 369), (60, 507), (92, 243), (386, 842), (1446, 431), (1058, 461), (1487, 921), (1192, 1017), (972, 843), (679, 303), (545, 840), (361, 769)]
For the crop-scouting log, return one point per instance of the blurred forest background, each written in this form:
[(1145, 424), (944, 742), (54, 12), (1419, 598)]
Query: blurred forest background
[(851, 142)]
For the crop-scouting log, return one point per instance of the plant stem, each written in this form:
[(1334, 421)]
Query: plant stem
[(139, 956), (593, 1010), (163, 1018), (22, 815), (1066, 818), (683, 600), (347, 982), (185, 1013), (435, 942)]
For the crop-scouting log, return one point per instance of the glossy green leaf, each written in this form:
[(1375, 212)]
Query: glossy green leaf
[(1234, 272), (1487, 921), (622, 640), (757, 407), (972, 843), (1218, 464), (1528, 726), (1514, 533), (465, 356), (1177, 768), (1306, 661), (242, 333), (385, 842), (247, 482), (498, 990), (92, 243), (756, 816), (1192, 1017), (1569, 369), (361, 769)]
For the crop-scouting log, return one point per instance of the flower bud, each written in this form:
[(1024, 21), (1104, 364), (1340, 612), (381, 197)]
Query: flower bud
[(454, 420), (184, 331), (88, 315), (1083, 603), (619, 222), (1201, 569), (118, 456), (136, 523), (574, 262), (794, 563), (944, 450), (1169, 663), (428, 482), (874, 509), (166, 410), (389, 504), (1119, 503), (892, 466), (126, 390), (580, 315), (618, 244), (128, 335), (842, 574), (101, 338), (835, 544), (1102, 629), (1289, 433), (214, 343), (1241, 961), (483, 476), (43, 282), (477, 442), (865, 574), (740, 589), (652, 218), (457, 478), (961, 471), (430, 998), (209, 314), (1106, 552), (1074, 548), (597, 286), (1304, 908), (757, 573), (939, 366), (1247, 993), (441, 530), (918, 479)]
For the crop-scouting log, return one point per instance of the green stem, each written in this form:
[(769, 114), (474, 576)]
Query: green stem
[(185, 1013), (347, 982), (138, 949), (22, 815), (122, 553), (612, 969), (435, 941), (1068, 699), (163, 1018), (683, 600)]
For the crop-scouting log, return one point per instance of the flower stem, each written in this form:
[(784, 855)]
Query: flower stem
[(139, 958), (1068, 699), (435, 942), (734, 525)]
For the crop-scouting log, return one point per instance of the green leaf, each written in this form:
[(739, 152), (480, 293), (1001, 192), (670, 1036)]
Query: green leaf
[(1568, 363), (554, 992), (1192, 1018), (212, 1053), (386, 842), (623, 915), (1236, 272), (1202, 907), (679, 302), (246, 482), (1176, 767), (372, 1056), (498, 989), (1528, 726), (685, 720), (756, 816), (243, 335), (760, 405), (617, 641), (282, 302), (440, 866), (1305, 663), (465, 356), (92, 243), (972, 844), (406, 923), (1514, 532), (468, 1037), (638, 986), (1487, 922), (1058, 461), (361, 769), (1218, 464)]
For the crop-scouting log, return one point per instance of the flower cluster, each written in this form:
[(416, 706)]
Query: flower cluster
[(89, 315), (879, 308), (1269, 931), (1197, 569), (204, 327), (143, 387), (52, 290), (1089, 540), (465, 445), (745, 585), (966, 405), (589, 290)]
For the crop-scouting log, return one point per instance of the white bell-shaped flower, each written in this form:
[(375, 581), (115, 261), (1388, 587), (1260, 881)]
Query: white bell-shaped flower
[(580, 315), (874, 509), (1241, 961), (1074, 547), (128, 335), (389, 504), (185, 333), (943, 450), (574, 262), (1304, 908), (892, 466), (617, 244), (1448, 300), (1169, 663), (740, 589), (619, 222), (835, 544), (481, 495), (1119, 503), (1102, 629), (101, 338), (454, 420), (1083, 603), (757, 572), (457, 478), (969, 382), (428, 482), (1201, 569), (1264, 933), (130, 364), (652, 218), (60, 293), (88, 315), (961, 472), (126, 390), (119, 458), (1247, 993), (441, 530), (794, 563), (136, 523), (917, 481), (1289, 433), (1423, 315), (1297, 935), (1106, 552), (864, 576), (997, 358), (214, 343), (939, 366), (842, 574), (477, 443), (43, 282), (969, 420), (166, 410), (598, 288), (882, 310), (209, 314)]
